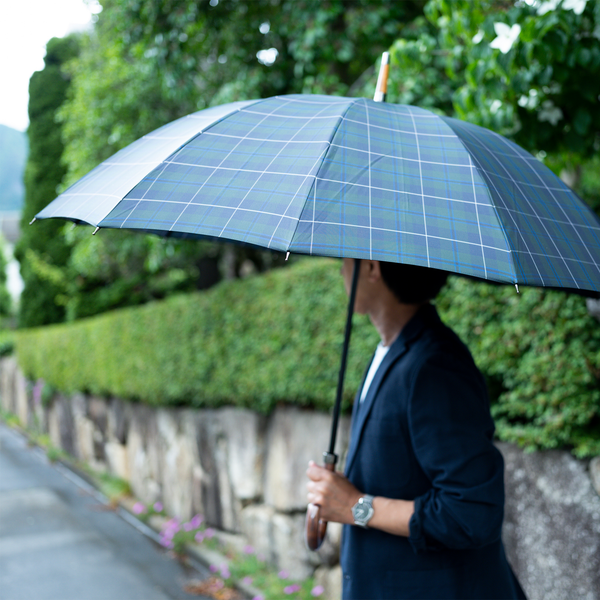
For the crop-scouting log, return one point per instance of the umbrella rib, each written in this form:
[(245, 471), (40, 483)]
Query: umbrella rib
[(477, 214), (308, 120), (284, 215), (370, 188), (421, 178)]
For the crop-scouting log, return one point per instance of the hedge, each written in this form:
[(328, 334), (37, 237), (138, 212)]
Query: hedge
[(269, 338), (277, 338)]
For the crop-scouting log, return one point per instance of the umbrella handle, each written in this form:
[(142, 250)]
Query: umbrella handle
[(315, 527)]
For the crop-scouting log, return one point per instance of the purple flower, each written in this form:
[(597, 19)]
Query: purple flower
[(247, 580), (248, 550), (213, 568), (196, 521), (283, 574), (188, 527), (290, 589), (225, 574), (209, 533), (158, 507), (258, 598), (317, 590), (199, 537), (138, 508)]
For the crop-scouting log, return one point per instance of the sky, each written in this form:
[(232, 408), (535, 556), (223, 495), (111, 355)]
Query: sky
[(25, 28)]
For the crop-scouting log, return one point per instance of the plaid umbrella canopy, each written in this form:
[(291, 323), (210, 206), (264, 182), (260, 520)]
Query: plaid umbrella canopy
[(348, 177)]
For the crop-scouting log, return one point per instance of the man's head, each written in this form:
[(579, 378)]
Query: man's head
[(411, 284)]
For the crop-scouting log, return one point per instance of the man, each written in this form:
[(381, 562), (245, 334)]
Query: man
[(422, 498)]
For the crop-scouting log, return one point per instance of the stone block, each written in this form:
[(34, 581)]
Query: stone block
[(552, 525), (291, 553), (143, 455), (294, 437), (257, 525), (116, 458), (244, 431), (215, 493), (84, 433), (330, 578), (8, 373), (177, 462), (119, 414), (21, 397), (595, 473)]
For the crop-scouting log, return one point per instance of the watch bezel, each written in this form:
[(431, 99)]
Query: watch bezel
[(363, 511)]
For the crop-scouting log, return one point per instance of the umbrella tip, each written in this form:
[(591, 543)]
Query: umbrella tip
[(95, 230), (33, 220), (287, 255), (517, 287), (384, 69)]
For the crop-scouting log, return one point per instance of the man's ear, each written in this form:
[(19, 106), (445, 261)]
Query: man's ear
[(373, 270)]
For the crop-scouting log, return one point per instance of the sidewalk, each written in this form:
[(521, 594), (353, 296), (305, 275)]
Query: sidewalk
[(59, 542)]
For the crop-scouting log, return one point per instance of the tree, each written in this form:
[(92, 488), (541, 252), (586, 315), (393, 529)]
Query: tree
[(147, 63), (5, 299), (44, 171)]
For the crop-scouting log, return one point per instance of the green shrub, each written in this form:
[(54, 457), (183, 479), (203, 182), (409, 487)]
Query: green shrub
[(277, 338), (253, 343), (540, 352)]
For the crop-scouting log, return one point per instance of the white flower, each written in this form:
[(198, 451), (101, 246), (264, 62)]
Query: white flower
[(478, 37), (267, 57), (506, 36), (550, 113), (577, 6)]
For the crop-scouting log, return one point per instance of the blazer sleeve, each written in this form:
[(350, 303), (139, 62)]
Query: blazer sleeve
[(451, 431)]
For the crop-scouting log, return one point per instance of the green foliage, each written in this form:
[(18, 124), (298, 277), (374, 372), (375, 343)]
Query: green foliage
[(5, 299), (13, 153), (43, 245), (542, 92), (271, 338), (540, 352)]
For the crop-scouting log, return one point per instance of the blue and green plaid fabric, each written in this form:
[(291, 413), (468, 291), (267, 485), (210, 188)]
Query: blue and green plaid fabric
[(349, 177)]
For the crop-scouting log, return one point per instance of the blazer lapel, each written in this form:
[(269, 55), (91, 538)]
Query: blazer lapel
[(361, 410)]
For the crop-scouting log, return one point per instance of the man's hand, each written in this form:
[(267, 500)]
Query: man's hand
[(333, 493)]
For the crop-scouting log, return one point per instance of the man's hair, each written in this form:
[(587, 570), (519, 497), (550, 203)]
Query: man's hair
[(412, 284)]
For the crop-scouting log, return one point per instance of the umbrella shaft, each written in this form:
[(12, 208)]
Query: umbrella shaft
[(340, 387)]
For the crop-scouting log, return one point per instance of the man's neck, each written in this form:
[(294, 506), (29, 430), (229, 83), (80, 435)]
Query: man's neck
[(390, 319)]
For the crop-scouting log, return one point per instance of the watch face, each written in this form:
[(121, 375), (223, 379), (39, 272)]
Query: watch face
[(361, 511)]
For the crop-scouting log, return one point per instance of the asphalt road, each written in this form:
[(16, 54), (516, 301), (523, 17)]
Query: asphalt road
[(58, 541)]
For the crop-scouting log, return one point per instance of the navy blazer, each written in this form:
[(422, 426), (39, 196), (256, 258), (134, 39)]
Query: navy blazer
[(424, 433)]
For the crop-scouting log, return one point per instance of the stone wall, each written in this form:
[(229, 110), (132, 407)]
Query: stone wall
[(246, 473)]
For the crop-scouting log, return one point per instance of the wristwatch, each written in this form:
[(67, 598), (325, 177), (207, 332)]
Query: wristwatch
[(362, 511)]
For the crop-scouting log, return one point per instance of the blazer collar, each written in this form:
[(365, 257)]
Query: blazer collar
[(425, 316)]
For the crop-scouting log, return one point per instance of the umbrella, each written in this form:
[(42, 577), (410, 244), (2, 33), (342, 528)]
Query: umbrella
[(348, 177)]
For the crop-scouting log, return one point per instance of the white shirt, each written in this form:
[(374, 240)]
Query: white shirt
[(380, 353)]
